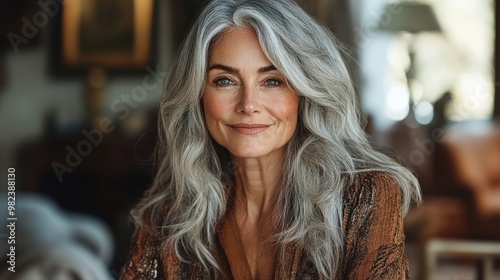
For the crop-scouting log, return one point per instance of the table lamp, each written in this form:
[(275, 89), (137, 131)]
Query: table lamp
[(408, 17)]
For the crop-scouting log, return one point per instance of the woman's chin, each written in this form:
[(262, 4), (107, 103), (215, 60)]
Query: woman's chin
[(247, 154), (255, 153)]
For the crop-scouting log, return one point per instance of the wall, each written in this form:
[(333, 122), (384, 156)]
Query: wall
[(30, 92)]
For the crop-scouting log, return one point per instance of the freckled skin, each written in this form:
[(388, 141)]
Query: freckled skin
[(248, 96)]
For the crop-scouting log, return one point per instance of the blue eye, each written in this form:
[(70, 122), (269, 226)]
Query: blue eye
[(273, 82), (223, 82)]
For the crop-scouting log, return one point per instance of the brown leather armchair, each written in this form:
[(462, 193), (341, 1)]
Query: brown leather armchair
[(467, 165)]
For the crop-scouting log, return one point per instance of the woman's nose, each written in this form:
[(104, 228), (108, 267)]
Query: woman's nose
[(249, 101)]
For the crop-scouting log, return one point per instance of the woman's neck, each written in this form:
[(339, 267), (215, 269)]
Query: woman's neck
[(258, 182)]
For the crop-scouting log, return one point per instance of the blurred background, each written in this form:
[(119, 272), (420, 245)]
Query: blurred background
[(80, 84)]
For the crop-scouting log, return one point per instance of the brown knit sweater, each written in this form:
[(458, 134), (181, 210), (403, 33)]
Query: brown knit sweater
[(374, 243)]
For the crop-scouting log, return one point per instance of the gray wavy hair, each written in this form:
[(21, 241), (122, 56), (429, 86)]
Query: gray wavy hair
[(189, 193)]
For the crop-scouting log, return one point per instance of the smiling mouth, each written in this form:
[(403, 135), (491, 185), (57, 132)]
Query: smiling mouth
[(247, 128)]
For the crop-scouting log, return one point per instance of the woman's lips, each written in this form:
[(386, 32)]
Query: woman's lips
[(248, 128)]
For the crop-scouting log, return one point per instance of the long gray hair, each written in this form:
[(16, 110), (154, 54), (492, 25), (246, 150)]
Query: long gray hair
[(190, 191)]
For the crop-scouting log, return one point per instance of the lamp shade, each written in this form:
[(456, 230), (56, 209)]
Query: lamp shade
[(408, 16)]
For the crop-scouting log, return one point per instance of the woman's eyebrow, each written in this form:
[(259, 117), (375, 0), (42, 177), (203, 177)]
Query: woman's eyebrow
[(236, 71), (224, 67), (267, 69)]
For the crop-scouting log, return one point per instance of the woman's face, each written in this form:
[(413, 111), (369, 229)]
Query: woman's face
[(249, 108)]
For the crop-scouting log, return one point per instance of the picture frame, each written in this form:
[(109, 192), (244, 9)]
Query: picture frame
[(112, 34)]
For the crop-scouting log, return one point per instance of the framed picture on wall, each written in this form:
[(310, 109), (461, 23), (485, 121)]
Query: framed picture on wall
[(112, 34)]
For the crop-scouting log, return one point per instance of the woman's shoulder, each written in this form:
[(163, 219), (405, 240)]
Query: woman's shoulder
[(372, 186), (372, 192), (373, 228)]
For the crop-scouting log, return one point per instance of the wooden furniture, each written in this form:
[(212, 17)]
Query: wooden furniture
[(467, 166), (106, 182), (484, 253), (463, 200)]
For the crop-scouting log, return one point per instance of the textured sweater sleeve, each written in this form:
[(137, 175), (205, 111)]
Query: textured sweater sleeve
[(373, 224)]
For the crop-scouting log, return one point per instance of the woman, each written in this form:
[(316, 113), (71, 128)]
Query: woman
[(264, 169)]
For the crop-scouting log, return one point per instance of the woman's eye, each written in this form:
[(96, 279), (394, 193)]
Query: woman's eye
[(273, 82), (223, 82)]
